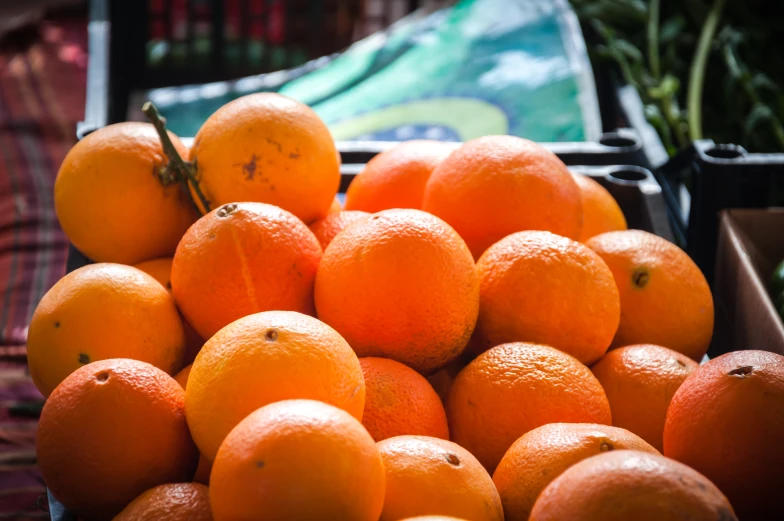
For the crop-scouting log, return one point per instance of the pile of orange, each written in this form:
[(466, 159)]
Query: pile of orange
[(476, 337)]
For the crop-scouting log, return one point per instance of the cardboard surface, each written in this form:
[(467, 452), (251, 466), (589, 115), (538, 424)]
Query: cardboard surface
[(751, 244)]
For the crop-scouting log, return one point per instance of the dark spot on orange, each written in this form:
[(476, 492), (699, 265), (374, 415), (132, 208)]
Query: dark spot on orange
[(452, 460), (212, 236), (606, 446), (640, 277), (56, 324), (249, 168), (293, 155), (168, 284), (742, 372), (102, 377), (259, 464), (271, 335), (472, 404), (84, 358)]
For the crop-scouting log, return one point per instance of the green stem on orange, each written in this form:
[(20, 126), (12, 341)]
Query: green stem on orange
[(180, 166)]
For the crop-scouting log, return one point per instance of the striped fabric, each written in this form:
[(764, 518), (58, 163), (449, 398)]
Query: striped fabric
[(42, 88)]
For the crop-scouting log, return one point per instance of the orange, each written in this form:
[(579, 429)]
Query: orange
[(433, 518), (494, 186), (542, 454), (639, 382), (102, 311), (442, 380), (626, 484), (326, 228), (110, 200), (205, 466), (539, 287), (396, 178), (160, 270), (400, 284), (514, 388), (298, 459), (601, 212), (727, 422), (398, 401), (265, 358), (182, 377), (170, 502), (267, 148), (665, 299), (428, 476), (240, 259), (110, 431)]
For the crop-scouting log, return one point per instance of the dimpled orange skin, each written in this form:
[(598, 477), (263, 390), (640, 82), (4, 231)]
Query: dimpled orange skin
[(427, 476), (400, 284), (160, 270), (111, 203), (601, 212), (102, 311), (494, 186), (110, 431), (170, 502), (541, 455), (396, 178), (665, 299), (539, 287), (264, 358), (240, 259), (298, 460), (398, 401), (514, 388), (327, 228), (626, 484), (727, 422), (271, 149), (639, 382)]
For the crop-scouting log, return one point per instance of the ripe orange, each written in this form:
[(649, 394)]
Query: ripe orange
[(539, 287), (398, 401), (240, 259), (494, 186), (170, 502), (326, 228), (727, 422), (396, 178), (265, 358), (639, 382), (665, 299), (601, 212), (514, 388), (428, 476), (160, 270), (102, 311), (542, 454), (626, 484), (298, 459), (433, 518), (267, 148), (182, 377), (400, 284), (110, 431), (111, 202)]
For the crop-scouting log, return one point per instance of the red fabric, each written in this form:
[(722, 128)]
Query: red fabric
[(42, 90)]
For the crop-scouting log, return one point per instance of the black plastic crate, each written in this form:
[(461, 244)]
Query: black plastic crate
[(707, 178)]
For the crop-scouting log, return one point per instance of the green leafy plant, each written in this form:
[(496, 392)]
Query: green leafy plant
[(703, 68)]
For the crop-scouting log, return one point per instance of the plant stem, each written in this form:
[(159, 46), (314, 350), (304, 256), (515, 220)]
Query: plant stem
[(697, 72), (175, 160), (653, 38)]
